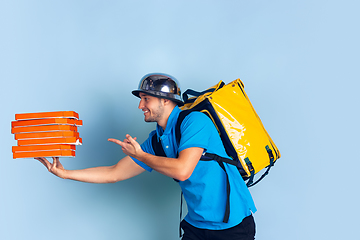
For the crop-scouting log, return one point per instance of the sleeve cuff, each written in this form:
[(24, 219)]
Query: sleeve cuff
[(141, 164)]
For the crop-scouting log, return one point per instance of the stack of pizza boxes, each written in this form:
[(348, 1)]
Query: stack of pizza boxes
[(46, 134)]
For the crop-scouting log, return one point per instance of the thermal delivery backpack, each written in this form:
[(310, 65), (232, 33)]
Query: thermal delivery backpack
[(245, 139)]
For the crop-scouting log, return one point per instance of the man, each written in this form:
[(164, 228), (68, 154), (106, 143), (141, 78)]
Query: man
[(203, 183)]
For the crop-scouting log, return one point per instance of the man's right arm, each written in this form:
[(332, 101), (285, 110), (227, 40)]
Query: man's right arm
[(126, 168)]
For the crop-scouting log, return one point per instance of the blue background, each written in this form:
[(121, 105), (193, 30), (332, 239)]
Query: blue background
[(299, 61)]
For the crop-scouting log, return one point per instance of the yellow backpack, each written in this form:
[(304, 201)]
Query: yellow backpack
[(245, 139)]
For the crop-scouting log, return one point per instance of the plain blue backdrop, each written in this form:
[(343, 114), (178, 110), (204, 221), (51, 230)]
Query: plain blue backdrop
[(299, 61)]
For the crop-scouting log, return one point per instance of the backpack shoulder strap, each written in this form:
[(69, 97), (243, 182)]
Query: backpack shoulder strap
[(208, 157), (156, 144), (157, 147), (180, 119)]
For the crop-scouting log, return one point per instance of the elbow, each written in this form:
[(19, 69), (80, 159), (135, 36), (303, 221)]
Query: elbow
[(183, 175), (181, 179), (112, 179), (112, 176)]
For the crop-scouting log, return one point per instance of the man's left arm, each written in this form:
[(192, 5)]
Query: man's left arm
[(179, 168)]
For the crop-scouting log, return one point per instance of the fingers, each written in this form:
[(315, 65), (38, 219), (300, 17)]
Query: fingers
[(115, 141), (56, 162), (130, 137), (45, 162), (126, 140), (131, 140)]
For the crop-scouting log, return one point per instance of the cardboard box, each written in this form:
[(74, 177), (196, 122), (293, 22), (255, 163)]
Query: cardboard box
[(35, 148), (54, 153), (40, 115), (46, 141), (48, 128), (46, 134), (21, 136), (48, 121)]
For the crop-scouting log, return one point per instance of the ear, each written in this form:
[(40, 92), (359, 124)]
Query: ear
[(168, 102), (165, 101)]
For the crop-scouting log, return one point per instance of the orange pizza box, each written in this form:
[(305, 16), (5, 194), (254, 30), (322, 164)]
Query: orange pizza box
[(36, 148), (46, 134), (19, 136), (46, 121), (46, 128), (54, 153), (45, 141), (39, 115)]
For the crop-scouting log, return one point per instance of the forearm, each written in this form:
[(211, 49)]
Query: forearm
[(126, 168), (179, 168), (103, 174), (170, 167)]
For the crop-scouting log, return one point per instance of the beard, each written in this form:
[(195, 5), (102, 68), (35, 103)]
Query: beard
[(155, 114)]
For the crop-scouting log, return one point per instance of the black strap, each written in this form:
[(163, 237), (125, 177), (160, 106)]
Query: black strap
[(197, 94), (180, 119), (157, 147), (227, 208), (215, 157), (181, 204), (221, 161), (250, 183), (252, 172), (209, 157), (194, 93)]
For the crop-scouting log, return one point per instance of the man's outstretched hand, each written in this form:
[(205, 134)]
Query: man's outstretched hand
[(55, 167), (129, 146)]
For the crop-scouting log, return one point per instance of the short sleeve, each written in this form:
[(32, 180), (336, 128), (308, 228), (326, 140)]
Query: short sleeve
[(196, 131)]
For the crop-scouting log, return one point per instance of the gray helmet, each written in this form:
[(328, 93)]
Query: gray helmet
[(160, 85)]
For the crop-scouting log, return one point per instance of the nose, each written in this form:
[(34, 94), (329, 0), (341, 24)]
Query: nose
[(141, 104)]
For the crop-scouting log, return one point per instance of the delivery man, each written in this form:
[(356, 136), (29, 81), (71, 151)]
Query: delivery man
[(203, 183)]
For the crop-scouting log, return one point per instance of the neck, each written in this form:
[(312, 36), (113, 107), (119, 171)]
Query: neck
[(163, 122)]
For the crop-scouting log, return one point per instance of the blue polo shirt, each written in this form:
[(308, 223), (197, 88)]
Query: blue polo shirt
[(205, 190)]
